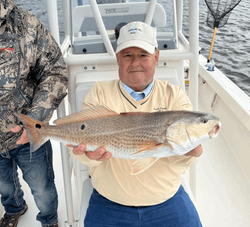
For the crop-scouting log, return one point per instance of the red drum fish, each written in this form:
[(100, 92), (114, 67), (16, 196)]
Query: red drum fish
[(142, 136)]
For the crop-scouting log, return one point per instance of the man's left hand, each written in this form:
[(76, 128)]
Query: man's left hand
[(196, 152), (24, 137)]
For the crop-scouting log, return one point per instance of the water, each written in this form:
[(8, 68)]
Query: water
[(231, 50)]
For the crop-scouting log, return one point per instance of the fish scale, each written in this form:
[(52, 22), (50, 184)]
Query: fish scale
[(117, 134)]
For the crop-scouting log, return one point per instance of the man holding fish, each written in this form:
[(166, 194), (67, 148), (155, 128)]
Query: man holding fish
[(151, 196)]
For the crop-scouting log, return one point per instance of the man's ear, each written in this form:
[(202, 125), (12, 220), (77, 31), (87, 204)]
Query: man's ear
[(157, 54), (117, 58)]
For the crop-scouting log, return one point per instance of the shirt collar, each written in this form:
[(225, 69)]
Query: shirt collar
[(142, 94)]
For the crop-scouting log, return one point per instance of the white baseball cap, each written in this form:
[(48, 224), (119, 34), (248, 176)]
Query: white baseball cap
[(137, 34)]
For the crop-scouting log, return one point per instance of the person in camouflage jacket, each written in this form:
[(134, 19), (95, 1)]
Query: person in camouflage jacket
[(33, 81)]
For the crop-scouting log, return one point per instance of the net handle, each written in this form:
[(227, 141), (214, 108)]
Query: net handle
[(212, 44), (216, 23)]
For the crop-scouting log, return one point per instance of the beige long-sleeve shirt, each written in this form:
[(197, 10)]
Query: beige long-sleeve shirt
[(112, 178)]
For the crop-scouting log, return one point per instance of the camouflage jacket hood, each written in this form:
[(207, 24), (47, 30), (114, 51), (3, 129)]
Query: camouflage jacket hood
[(33, 75)]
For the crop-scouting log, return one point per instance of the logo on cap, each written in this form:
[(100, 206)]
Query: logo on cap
[(134, 30)]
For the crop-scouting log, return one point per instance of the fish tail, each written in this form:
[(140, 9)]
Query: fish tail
[(33, 128)]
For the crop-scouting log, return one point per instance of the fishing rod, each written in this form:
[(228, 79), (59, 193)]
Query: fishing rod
[(217, 16)]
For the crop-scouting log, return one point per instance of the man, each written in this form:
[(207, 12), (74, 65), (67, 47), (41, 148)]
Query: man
[(154, 197), (33, 81)]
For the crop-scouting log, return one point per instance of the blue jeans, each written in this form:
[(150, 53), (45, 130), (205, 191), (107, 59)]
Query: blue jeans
[(177, 211), (38, 172)]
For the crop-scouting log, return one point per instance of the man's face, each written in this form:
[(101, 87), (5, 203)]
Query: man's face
[(137, 67)]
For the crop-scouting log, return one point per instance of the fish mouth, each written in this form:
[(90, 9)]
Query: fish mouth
[(215, 130)]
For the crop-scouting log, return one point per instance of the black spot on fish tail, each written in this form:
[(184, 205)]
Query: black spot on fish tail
[(38, 126), (82, 127)]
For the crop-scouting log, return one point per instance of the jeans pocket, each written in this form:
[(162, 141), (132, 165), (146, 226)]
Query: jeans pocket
[(5, 155)]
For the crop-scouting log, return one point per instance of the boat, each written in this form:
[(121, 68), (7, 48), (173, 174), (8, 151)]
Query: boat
[(219, 183)]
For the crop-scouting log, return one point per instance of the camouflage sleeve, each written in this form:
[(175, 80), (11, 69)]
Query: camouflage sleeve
[(49, 70)]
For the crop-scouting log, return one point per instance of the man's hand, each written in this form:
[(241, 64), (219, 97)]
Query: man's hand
[(99, 154), (24, 137), (196, 152)]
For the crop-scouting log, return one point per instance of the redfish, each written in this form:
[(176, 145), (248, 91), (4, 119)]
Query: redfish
[(142, 136)]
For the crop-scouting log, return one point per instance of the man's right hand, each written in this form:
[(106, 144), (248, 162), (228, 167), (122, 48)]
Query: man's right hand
[(100, 154), (24, 137)]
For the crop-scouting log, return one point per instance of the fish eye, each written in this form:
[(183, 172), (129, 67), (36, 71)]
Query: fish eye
[(82, 127), (204, 120), (38, 126)]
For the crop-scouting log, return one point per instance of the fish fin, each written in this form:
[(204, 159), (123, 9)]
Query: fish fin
[(171, 146), (149, 148), (86, 114), (32, 127), (141, 165)]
